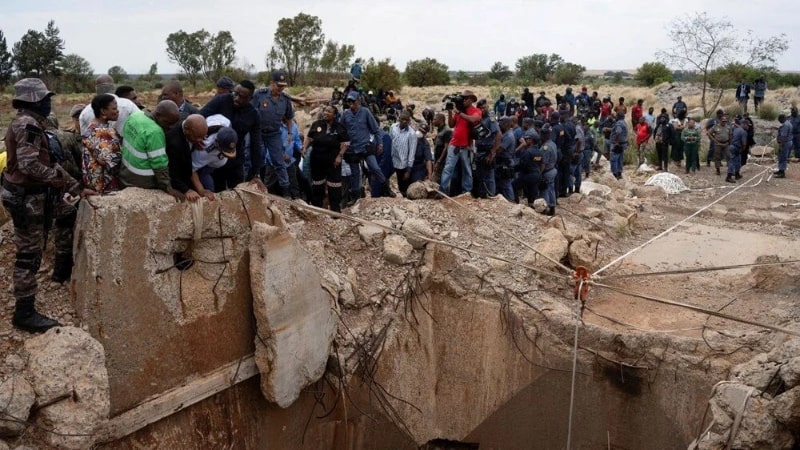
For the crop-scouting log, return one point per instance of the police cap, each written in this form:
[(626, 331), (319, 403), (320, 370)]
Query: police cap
[(546, 129), (531, 135)]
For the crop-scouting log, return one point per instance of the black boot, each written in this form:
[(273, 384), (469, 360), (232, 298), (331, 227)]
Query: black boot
[(551, 211), (26, 318), (62, 269), (318, 195), (335, 198), (780, 174), (388, 188), (738, 176), (730, 179)]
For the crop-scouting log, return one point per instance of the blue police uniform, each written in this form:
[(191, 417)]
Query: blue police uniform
[(737, 145), (531, 164), (794, 119), (785, 145), (549, 161), (365, 135), (504, 165), (272, 111), (484, 171), (422, 155), (576, 165), (619, 142), (589, 145)]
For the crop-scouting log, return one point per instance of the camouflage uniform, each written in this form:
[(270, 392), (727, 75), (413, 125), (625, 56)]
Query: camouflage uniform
[(33, 188)]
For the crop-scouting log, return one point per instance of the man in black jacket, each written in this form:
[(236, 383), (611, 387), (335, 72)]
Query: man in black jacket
[(238, 108), (182, 139)]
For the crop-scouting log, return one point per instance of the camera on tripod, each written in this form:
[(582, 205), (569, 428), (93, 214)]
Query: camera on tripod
[(453, 101)]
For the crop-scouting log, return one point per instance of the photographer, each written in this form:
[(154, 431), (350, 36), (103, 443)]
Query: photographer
[(462, 117)]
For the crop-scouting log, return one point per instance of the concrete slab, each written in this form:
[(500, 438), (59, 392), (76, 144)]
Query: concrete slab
[(295, 324)]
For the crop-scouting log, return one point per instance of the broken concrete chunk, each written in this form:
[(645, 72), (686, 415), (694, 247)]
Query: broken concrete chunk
[(16, 399), (295, 324), (553, 244), (790, 373), (370, 234), (396, 249), (582, 253), (67, 368), (420, 227), (540, 205), (786, 408)]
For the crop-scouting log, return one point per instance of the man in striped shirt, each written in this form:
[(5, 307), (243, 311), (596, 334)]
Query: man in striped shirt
[(144, 156)]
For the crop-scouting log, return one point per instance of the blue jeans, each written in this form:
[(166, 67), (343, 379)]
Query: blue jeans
[(355, 173), (550, 192), (783, 155), (274, 145), (450, 164), (616, 163), (586, 161)]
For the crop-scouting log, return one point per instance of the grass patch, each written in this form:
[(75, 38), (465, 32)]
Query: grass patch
[(768, 111)]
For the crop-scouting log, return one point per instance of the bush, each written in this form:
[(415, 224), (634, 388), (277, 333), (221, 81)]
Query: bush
[(426, 72), (652, 73), (381, 75), (768, 111), (732, 110)]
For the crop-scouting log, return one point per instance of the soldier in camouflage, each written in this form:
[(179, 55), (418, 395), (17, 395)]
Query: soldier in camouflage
[(36, 190)]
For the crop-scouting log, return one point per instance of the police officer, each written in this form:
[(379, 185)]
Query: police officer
[(784, 145), (794, 119), (34, 193), (735, 149), (720, 135), (549, 161), (486, 149), (504, 161), (530, 167), (619, 142), (275, 107)]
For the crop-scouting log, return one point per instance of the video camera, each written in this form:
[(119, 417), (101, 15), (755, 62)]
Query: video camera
[(453, 101)]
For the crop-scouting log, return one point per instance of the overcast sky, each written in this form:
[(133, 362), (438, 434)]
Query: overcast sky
[(464, 34)]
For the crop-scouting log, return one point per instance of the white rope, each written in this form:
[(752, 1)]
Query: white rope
[(574, 367), (670, 229)]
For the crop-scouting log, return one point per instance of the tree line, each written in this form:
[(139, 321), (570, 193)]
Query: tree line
[(705, 49)]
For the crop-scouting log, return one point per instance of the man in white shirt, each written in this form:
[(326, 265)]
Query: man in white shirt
[(404, 146)]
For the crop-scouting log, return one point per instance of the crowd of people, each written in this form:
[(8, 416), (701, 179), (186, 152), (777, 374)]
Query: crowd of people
[(523, 150)]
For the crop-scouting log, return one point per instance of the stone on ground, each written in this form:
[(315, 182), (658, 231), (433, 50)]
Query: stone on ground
[(418, 227), (553, 244), (16, 399), (397, 250), (294, 321), (670, 183), (539, 205), (67, 362)]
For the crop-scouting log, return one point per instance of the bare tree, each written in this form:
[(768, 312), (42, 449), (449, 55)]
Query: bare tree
[(704, 43)]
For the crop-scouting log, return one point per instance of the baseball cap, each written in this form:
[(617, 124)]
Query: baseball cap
[(353, 95), (226, 141), (31, 90), (279, 77)]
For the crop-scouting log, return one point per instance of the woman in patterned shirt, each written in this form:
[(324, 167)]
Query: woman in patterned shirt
[(101, 147)]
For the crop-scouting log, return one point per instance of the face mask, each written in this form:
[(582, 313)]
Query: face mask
[(42, 107), (420, 135)]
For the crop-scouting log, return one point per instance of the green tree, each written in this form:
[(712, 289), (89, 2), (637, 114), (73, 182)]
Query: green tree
[(39, 53), (186, 50), (568, 73), (537, 67), (328, 59), (297, 43), (272, 60), (461, 77), (426, 72), (703, 44), (653, 73), (76, 73), (381, 75), (118, 73), (500, 72), (151, 75), (6, 62), (219, 54), (343, 57)]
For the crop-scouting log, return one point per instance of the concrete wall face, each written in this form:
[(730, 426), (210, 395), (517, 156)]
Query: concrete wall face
[(159, 325)]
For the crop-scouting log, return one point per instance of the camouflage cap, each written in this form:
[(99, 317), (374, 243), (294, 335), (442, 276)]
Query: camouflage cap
[(31, 90)]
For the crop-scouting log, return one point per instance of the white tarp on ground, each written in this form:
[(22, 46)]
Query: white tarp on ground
[(670, 183)]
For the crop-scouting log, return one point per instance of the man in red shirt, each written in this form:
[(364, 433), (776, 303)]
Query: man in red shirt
[(461, 120), (637, 112)]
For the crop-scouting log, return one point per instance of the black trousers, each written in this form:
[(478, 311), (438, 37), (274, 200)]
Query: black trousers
[(326, 176)]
